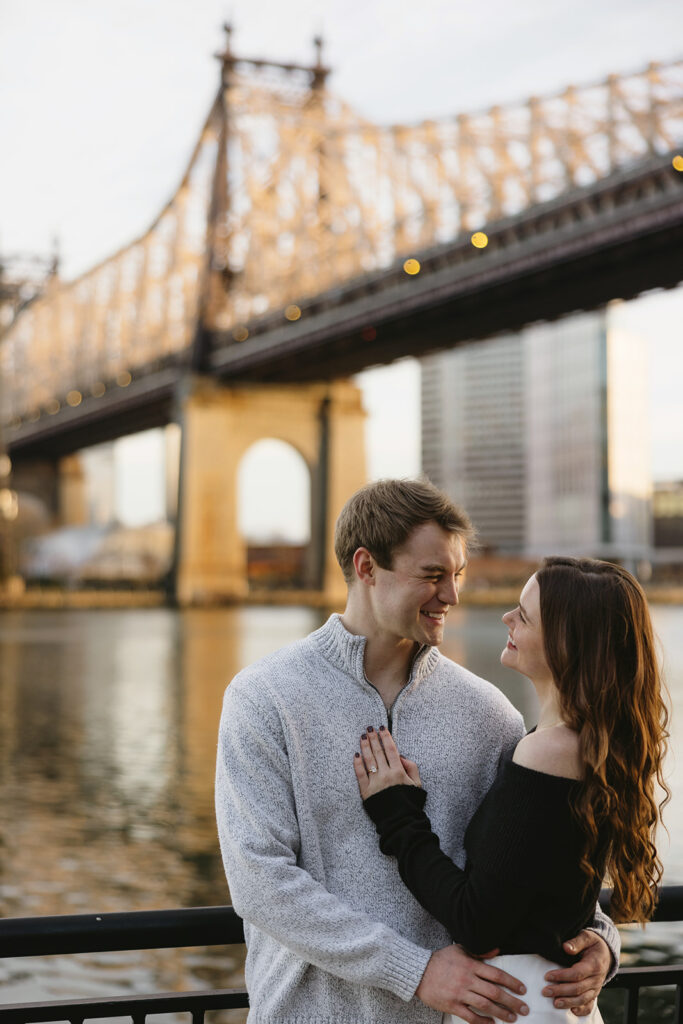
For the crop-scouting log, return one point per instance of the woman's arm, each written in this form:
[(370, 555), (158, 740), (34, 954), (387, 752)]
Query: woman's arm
[(477, 905), (478, 908)]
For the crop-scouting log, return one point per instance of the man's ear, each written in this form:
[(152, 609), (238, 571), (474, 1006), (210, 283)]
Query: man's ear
[(364, 565)]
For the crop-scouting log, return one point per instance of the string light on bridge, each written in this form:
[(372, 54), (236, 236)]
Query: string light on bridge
[(123, 379), (9, 505), (678, 162), (98, 389), (412, 267), (53, 406), (293, 313), (74, 398), (240, 333), (5, 465), (479, 240)]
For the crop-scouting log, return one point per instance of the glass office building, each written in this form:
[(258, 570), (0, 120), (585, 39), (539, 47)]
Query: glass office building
[(542, 436)]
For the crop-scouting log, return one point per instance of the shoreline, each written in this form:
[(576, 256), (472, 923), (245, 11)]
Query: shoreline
[(35, 598)]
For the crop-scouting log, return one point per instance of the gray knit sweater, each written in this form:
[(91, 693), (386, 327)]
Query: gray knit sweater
[(333, 935)]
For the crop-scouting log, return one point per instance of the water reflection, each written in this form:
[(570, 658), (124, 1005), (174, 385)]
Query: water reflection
[(108, 726)]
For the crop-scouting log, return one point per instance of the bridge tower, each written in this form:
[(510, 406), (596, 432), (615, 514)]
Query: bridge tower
[(324, 422)]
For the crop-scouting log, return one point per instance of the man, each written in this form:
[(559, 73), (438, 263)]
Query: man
[(332, 934)]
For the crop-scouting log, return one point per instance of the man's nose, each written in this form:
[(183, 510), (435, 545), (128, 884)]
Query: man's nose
[(448, 592)]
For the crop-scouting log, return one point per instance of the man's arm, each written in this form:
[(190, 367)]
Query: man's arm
[(605, 928), (260, 841), (579, 986)]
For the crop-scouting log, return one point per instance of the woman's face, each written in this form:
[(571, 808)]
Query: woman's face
[(524, 650)]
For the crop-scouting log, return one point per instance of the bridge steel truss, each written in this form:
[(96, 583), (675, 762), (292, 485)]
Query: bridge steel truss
[(289, 194), (614, 239)]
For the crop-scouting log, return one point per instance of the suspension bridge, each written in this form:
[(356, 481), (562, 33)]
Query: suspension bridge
[(305, 243)]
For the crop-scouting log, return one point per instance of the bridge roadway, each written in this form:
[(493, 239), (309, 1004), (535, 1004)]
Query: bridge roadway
[(613, 239)]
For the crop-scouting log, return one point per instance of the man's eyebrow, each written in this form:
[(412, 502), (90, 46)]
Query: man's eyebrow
[(441, 568)]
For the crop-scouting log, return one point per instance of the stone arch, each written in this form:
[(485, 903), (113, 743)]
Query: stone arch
[(323, 422), (274, 513), (291, 479)]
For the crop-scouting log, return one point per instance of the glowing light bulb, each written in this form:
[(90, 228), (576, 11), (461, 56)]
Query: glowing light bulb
[(74, 398), (292, 312), (479, 240), (123, 379), (412, 267), (240, 333), (678, 162)]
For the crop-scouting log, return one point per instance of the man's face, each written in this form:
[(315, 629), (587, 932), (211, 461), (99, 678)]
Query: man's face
[(411, 600)]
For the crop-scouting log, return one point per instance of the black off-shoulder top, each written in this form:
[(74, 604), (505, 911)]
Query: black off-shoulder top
[(522, 890)]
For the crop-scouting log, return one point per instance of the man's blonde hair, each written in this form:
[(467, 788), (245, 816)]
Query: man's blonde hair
[(382, 515)]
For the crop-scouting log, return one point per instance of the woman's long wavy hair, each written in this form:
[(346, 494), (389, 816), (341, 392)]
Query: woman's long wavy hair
[(600, 648)]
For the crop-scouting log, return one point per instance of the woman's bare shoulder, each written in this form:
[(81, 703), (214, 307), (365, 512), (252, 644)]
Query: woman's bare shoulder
[(554, 751)]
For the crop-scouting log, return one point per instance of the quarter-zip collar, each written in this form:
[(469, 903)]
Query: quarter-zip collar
[(346, 651)]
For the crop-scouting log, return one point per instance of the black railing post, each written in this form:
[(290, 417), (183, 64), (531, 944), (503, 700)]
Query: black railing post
[(631, 1006)]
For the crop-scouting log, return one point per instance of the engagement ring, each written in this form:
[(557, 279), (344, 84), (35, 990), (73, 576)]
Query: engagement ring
[(373, 769)]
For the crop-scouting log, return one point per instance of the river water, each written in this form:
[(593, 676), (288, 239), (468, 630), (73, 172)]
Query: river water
[(108, 725)]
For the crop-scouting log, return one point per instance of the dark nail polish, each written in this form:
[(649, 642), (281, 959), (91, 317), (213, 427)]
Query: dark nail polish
[(382, 728), (371, 728), (363, 735), (356, 754)]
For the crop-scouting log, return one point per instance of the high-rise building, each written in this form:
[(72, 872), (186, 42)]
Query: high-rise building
[(668, 514), (542, 435), (473, 434)]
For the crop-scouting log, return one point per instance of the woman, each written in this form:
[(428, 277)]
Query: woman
[(576, 804)]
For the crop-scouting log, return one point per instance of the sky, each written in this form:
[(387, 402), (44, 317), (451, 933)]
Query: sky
[(101, 102)]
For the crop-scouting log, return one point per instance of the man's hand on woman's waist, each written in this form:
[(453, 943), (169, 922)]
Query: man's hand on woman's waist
[(468, 987)]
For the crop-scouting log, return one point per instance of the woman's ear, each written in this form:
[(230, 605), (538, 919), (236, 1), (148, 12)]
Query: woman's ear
[(364, 565)]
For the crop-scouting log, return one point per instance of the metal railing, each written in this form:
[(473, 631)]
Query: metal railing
[(99, 933), (218, 926), (633, 979)]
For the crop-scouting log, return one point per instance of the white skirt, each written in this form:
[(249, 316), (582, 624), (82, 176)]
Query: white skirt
[(531, 970)]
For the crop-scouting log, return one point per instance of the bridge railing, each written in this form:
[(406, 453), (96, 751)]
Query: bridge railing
[(217, 926)]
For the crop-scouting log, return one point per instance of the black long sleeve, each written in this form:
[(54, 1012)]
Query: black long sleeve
[(521, 890)]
